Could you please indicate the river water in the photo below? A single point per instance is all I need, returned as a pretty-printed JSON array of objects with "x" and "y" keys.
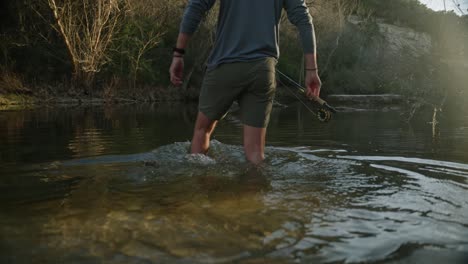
[{"x": 116, "y": 185}]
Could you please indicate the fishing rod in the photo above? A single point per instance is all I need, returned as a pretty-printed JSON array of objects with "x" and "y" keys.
[{"x": 320, "y": 107}]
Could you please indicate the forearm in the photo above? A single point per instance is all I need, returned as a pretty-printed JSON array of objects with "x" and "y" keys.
[
  {"x": 310, "y": 61},
  {"x": 182, "y": 41}
]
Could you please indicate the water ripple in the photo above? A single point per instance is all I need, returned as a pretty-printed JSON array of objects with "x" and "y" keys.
[{"x": 302, "y": 205}]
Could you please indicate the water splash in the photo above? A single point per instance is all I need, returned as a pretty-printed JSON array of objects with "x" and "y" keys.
[{"x": 302, "y": 205}]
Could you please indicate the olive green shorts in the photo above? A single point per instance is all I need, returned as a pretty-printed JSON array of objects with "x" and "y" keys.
[{"x": 252, "y": 84}]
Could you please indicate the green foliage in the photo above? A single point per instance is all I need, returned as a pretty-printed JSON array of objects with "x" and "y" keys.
[
  {"x": 129, "y": 46},
  {"x": 141, "y": 52}
]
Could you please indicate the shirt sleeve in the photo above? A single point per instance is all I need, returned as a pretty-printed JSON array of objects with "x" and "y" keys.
[
  {"x": 193, "y": 14},
  {"x": 298, "y": 14}
]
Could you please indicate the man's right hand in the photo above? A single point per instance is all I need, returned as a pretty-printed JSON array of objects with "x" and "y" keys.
[
  {"x": 177, "y": 70},
  {"x": 313, "y": 84}
]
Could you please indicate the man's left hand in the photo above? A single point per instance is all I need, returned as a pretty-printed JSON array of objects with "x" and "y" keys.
[{"x": 177, "y": 70}]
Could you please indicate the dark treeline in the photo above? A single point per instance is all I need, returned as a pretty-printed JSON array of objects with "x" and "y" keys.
[{"x": 122, "y": 48}]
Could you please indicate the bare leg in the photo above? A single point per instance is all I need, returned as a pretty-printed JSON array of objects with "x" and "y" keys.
[
  {"x": 204, "y": 127},
  {"x": 254, "y": 144}
]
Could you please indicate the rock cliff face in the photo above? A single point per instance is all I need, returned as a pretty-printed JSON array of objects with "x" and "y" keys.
[{"x": 400, "y": 39}]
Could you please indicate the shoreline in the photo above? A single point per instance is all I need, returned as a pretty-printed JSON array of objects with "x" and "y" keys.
[
  {"x": 15, "y": 101},
  {"x": 22, "y": 101}
]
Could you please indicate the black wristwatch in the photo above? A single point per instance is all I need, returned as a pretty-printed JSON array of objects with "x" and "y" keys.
[{"x": 180, "y": 51}]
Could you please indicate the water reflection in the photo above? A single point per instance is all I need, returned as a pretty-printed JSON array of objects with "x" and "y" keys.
[
  {"x": 88, "y": 143},
  {"x": 114, "y": 188}
]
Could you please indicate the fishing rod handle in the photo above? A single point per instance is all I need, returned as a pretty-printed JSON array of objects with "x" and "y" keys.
[{"x": 318, "y": 99}]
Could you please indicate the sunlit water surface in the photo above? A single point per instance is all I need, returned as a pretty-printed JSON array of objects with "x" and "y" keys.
[{"x": 116, "y": 185}]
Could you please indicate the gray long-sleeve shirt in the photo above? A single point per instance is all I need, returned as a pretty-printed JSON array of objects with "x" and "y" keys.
[{"x": 249, "y": 29}]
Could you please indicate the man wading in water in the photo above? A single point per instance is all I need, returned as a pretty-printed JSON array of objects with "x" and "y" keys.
[{"x": 242, "y": 65}]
